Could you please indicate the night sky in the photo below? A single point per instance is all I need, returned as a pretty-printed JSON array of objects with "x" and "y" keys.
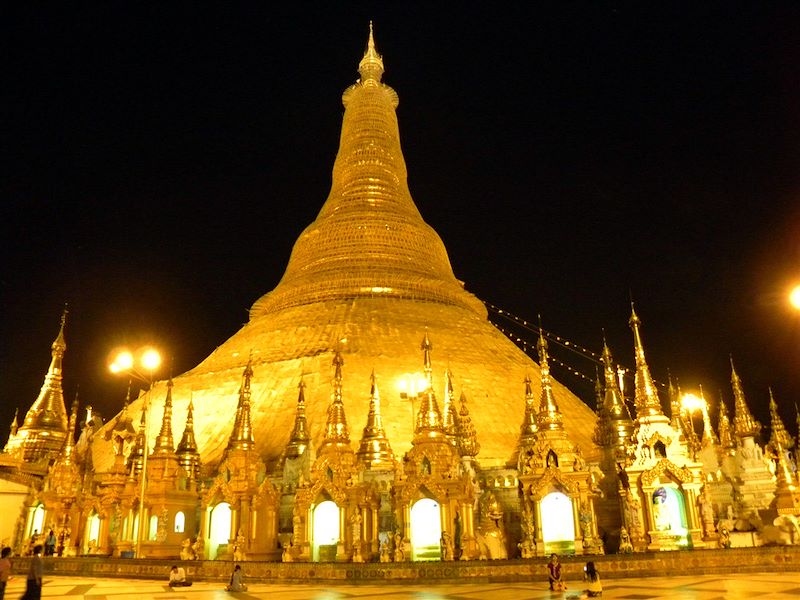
[{"x": 158, "y": 163}]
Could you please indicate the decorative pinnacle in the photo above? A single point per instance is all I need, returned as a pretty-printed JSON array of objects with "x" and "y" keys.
[
  {"x": 529, "y": 426},
  {"x": 724, "y": 427},
  {"x": 426, "y": 348},
  {"x": 188, "y": 444},
  {"x": 374, "y": 450},
  {"x": 371, "y": 65},
  {"x": 164, "y": 443},
  {"x": 298, "y": 441},
  {"x": 449, "y": 413},
  {"x": 465, "y": 432},
  {"x": 646, "y": 397},
  {"x": 429, "y": 419},
  {"x": 242, "y": 434},
  {"x": 549, "y": 416},
  {"x": 336, "y": 431},
  {"x": 744, "y": 425}
]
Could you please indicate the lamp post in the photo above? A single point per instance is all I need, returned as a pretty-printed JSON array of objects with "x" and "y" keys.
[
  {"x": 794, "y": 297},
  {"x": 141, "y": 367}
]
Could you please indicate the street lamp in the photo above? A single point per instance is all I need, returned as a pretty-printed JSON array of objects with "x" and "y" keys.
[
  {"x": 692, "y": 403},
  {"x": 794, "y": 297},
  {"x": 141, "y": 366}
]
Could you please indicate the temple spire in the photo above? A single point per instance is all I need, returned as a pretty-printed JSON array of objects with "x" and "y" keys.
[
  {"x": 67, "y": 454},
  {"x": 136, "y": 457},
  {"x": 336, "y": 432},
  {"x": 780, "y": 448},
  {"x": 528, "y": 429},
  {"x": 744, "y": 425},
  {"x": 371, "y": 65},
  {"x": 42, "y": 433},
  {"x": 724, "y": 426},
  {"x": 549, "y": 417},
  {"x": 648, "y": 406},
  {"x": 779, "y": 435},
  {"x": 374, "y": 451},
  {"x": 164, "y": 442},
  {"x": 187, "y": 451},
  {"x": 429, "y": 419},
  {"x": 709, "y": 437},
  {"x": 465, "y": 431},
  {"x": 619, "y": 418},
  {"x": 449, "y": 412},
  {"x": 298, "y": 441},
  {"x": 242, "y": 434}
]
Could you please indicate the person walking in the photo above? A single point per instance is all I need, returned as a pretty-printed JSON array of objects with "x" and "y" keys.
[
  {"x": 33, "y": 590},
  {"x": 5, "y": 570},
  {"x": 594, "y": 588}
]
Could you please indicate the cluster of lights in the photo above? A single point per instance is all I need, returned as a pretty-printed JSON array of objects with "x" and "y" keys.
[{"x": 124, "y": 361}]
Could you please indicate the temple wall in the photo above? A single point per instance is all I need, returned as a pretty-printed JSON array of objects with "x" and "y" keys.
[
  {"x": 12, "y": 504},
  {"x": 663, "y": 564}
]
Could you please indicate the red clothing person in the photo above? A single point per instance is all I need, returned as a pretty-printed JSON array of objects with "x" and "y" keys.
[{"x": 554, "y": 572}]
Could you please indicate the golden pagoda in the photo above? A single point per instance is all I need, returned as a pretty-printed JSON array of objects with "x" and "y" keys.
[{"x": 368, "y": 277}]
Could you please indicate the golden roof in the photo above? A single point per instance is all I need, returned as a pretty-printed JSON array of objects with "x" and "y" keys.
[{"x": 367, "y": 278}]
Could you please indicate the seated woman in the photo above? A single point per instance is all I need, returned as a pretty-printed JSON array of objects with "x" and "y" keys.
[
  {"x": 594, "y": 588},
  {"x": 554, "y": 573},
  {"x": 237, "y": 584},
  {"x": 177, "y": 577}
]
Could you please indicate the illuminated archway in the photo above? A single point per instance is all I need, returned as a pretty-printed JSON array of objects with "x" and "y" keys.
[
  {"x": 93, "y": 531},
  {"x": 37, "y": 521},
  {"x": 152, "y": 531},
  {"x": 669, "y": 513},
  {"x": 220, "y": 529},
  {"x": 325, "y": 531},
  {"x": 558, "y": 524},
  {"x": 426, "y": 530},
  {"x": 180, "y": 522}
]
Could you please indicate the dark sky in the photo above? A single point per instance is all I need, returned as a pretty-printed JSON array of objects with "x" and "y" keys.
[{"x": 158, "y": 163}]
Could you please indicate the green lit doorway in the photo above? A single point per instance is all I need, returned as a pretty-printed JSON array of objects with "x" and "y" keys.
[
  {"x": 558, "y": 524},
  {"x": 426, "y": 530}
]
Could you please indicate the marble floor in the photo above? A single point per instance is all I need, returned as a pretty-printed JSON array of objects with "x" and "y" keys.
[{"x": 702, "y": 587}]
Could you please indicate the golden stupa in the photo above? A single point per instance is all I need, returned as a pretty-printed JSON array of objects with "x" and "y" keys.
[{"x": 367, "y": 278}]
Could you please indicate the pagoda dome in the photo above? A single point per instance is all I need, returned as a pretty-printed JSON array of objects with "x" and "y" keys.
[{"x": 367, "y": 278}]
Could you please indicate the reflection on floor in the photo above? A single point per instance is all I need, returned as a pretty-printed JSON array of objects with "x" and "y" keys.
[{"x": 702, "y": 587}]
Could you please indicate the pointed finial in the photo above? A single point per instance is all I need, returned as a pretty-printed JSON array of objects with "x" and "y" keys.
[
  {"x": 371, "y": 65},
  {"x": 374, "y": 451},
  {"x": 648, "y": 405},
  {"x": 744, "y": 425},
  {"x": 468, "y": 445},
  {"x": 449, "y": 411},
  {"x": 298, "y": 441},
  {"x": 164, "y": 444},
  {"x": 549, "y": 416},
  {"x": 529, "y": 427}
]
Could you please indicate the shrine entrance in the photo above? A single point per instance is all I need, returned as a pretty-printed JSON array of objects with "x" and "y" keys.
[
  {"x": 219, "y": 534},
  {"x": 426, "y": 530},
  {"x": 325, "y": 531},
  {"x": 669, "y": 514},
  {"x": 558, "y": 524},
  {"x": 36, "y": 526}
]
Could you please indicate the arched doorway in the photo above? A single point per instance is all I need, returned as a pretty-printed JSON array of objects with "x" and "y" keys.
[
  {"x": 426, "y": 530},
  {"x": 220, "y": 529},
  {"x": 92, "y": 532},
  {"x": 37, "y": 523},
  {"x": 325, "y": 531},
  {"x": 558, "y": 524},
  {"x": 669, "y": 514}
]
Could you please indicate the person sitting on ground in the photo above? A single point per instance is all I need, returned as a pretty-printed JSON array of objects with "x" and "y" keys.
[
  {"x": 177, "y": 577},
  {"x": 236, "y": 584},
  {"x": 554, "y": 573},
  {"x": 594, "y": 588}
]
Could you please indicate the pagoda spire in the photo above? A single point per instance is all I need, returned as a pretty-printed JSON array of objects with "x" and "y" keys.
[
  {"x": 674, "y": 393},
  {"x": 619, "y": 417},
  {"x": 465, "y": 431},
  {"x": 724, "y": 426},
  {"x": 429, "y": 419},
  {"x": 242, "y": 434},
  {"x": 164, "y": 443},
  {"x": 42, "y": 433},
  {"x": 709, "y": 437},
  {"x": 12, "y": 431},
  {"x": 744, "y": 425},
  {"x": 371, "y": 66},
  {"x": 529, "y": 427},
  {"x": 648, "y": 406},
  {"x": 779, "y": 434},
  {"x": 449, "y": 412},
  {"x": 549, "y": 417},
  {"x": 136, "y": 457},
  {"x": 298, "y": 441},
  {"x": 374, "y": 451},
  {"x": 336, "y": 432},
  {"x": 785, "y": 478},
  {"x": 187, "y": 452}
]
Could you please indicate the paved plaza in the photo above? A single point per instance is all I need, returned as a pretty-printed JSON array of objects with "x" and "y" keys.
[{"x": 701, "y": 587}]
